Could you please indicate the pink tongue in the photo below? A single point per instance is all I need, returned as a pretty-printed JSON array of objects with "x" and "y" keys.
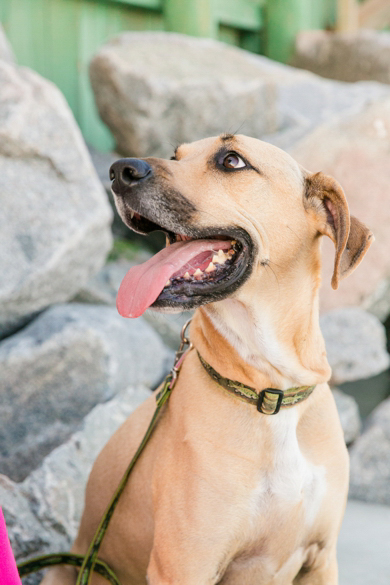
[{"x": 143, "y": 283}]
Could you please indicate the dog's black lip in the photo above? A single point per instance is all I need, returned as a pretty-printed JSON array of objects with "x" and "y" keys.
[{"x": 191, "y": 295}]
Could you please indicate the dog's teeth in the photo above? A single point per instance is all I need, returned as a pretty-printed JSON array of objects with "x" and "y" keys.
[
  {"x": 210, "y": 267},
  {"x": 231, "y": 252},
  {"x": 167, "y": 242},
  {"x": 132, "y": 214},
  {"x": 168, "y": 283},
  {"x": 187, "y": 276},
  {"x": 220, "y": 258},
  {"x": 233, "y": 242},
  {"x": 198, "y": 273}
]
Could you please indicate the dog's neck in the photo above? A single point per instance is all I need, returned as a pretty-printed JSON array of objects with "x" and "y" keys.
[{"x": 266, "y": 340}]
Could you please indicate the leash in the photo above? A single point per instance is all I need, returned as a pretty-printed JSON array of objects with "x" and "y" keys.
[
  {"x": 90, "y": 561},
  {"x": 268, "y": 401}
]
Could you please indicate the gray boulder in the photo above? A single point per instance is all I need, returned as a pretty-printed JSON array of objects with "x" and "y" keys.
[
  {"x": 355, "y": 344},
  {"x": 103, "y": 287},
  {"x": 102, "y": 162},
  {"x": 348, "y": 410},
  {"x": 6, "y": 53},
  {"x": 167, "y": 91},
  {"x": 157, "y": 90},
  {"x": 370, "y": 459},
  {"x": 362, "y": 55},
  {"x": 59, "y": 367},
  {"x": 44, "y": 511},
  {"x": 55, "y": 217},
  {"x": 355, "y": 150}
]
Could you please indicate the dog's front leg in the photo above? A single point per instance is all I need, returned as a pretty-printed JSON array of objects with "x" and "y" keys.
[
  {"x": 194, "y": 554},
  {"x": 168, "y": 566},
  {"x": 324, "y": 574}
]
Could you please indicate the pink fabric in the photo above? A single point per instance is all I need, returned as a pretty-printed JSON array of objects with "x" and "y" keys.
[{"x": 8, "y": 571}]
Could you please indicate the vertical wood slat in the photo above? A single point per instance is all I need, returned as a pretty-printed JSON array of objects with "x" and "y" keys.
[
  {"x": 284, "y": 19},
  {"x": 192, "y": 17},
  {"x": 347, "y": 15}
]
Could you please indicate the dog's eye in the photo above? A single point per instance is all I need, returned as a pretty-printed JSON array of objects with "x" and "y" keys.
[{"x": 233, "y": 161}]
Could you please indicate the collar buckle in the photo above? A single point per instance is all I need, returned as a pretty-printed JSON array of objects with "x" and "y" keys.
[{"x": 270, "y": 400}]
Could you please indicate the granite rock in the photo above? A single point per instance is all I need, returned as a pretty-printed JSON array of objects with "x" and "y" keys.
[
  {"x": 355, "y": 150},
  {"x": 59, "y": 367},
  {"x": 348, "y": 410},
  {"x": 361, "y": 55},
  {"x": 44, "y": 511},
  {"x": 370, "y": 459},
  {"x": 157, "y": 90},
  {"x": 355, "y": 344},
  {"x": 55, "y": 220},
  {"x": 6, "y": 53}
]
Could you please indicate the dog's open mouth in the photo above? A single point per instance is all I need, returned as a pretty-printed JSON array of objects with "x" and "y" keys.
[{"x": 195, "y": 268}]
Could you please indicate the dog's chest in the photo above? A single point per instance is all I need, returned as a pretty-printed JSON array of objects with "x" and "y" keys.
[
  {"x": 290, "y": 478},
  {"x": 282, "y": 507}
]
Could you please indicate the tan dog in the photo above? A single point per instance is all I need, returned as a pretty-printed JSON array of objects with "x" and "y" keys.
[{"x": 224, "y": 493}]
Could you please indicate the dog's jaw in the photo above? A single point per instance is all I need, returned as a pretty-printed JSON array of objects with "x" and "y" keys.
[{"x": 259, "y": 327}]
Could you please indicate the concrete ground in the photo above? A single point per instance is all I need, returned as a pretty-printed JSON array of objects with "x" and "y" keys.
[{"x": 364, "y": 545}]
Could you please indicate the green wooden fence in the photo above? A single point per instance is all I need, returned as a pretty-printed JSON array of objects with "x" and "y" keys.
[{"x": 58, "y": 37}]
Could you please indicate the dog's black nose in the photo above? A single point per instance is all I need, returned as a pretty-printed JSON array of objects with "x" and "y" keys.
[{"x": 129, "y": 171}]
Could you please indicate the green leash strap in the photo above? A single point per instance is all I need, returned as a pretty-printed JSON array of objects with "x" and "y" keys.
[
  {"x": 91, "y": 557},
  {"x": 90, "y": 561},
  {"x": 70, "y": 559}
]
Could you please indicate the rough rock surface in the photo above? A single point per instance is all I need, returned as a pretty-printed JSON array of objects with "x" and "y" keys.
[
  {"x": 157, "y": 90},
  {"x": 55, "y": 217},
  {"x": 6, "y": 53},
  {"x": 102, "y": 162},
  {"x": 348, "y": 410},
  {"x": 103, "y": 287},
  {"x": 355, "y": 344},
  {"x": 362, "y": 55},
  {"x": 44, "y": 511},
  {"x": 370, "y": 459},
  {"x": 355, "y": 150},
  {"x": 59, "y": 367}
]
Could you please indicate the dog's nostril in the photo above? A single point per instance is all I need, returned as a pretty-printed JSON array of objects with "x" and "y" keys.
[{"x": 129, "y": 175}]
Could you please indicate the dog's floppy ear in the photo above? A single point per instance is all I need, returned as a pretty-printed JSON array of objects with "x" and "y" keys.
[{"x": 325, "y": 197}]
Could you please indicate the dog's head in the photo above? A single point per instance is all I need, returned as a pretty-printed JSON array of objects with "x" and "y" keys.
[{"x": 230, "y": 207}]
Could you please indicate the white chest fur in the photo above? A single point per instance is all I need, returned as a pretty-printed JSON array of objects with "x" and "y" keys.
[{"x": 292, "y": 478}]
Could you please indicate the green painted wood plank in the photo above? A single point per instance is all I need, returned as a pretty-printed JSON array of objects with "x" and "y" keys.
[
  {"x": 285, "y": 18},
  {"x": 229, "y": 35},
  {"x": 19, "y": 32},
  {"x": 150, "y": 4},
  {"x": 61, "y": 32},
  {"x": 92, "y": 33},
  {"x": 252, "y": 41},
  {"x": 192, "y": 17},
  {"x": 242, "y": 14},
  {"x": 98, "y": 23}
]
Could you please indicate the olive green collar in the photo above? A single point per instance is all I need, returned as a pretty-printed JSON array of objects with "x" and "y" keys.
[{"x": 268, "y": 401}]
